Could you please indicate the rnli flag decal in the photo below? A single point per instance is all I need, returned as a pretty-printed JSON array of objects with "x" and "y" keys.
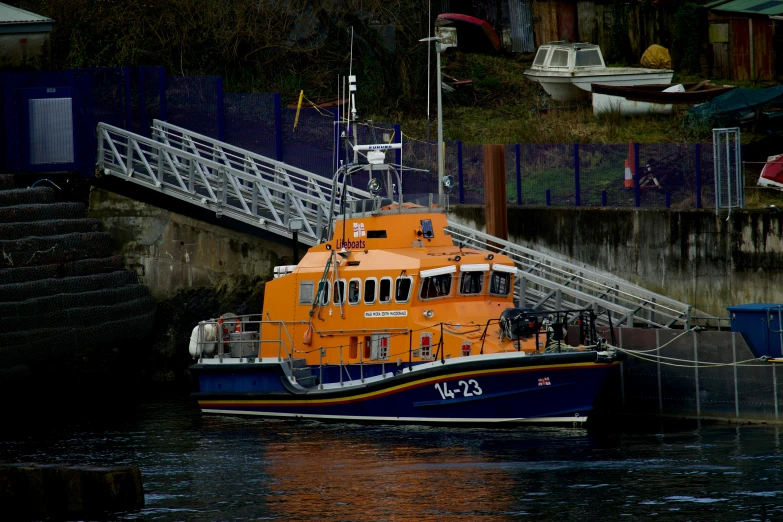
[{"x": 544, "y": 382}]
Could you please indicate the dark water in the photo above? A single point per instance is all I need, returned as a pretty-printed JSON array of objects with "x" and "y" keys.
[{"x": 220, "y": 468}]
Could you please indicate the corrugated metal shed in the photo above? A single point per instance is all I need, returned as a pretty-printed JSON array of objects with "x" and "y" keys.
[
  {"x": 15, "y": 20},
  {"x": 758, "y": 7}
]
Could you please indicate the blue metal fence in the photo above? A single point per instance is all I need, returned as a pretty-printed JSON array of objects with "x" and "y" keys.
[{"x": 667, "y": 175}]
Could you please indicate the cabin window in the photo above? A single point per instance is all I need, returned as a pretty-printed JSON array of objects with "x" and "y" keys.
[
  {"x": 435, "y": 286},
  {"x": 354, "y": 291},
  {"x": 386, "y": 287},
  {"x": 588, "y": 58},
  {"x": 323, "y": 292},
  {"x": 500, "y": 283},
  {"x": 559, "y": 58},
  {"x": 541, "y": 56},
  {"x": 402, "y": 289},
  {"x": 370, "y": 286},
  {"x": 339, "y": 292},
  {"x": 471, "y": 283},
  {"x": 306, "y": 292},
  {"x": 376, "y": 234}
]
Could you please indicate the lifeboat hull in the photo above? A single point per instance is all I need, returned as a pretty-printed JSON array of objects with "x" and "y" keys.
[{"x": 485, "y": 389}]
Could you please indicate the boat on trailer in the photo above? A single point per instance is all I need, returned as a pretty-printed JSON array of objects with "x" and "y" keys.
[
  {"x": 567, "y": 71},
  {"x": 388, "y": 320}
]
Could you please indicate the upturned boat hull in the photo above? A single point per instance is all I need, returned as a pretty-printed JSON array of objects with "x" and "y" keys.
[{"x": 502, "y": 388}]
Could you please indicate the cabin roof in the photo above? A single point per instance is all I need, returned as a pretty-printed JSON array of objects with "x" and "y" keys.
[
  {"x": 15, "y": 20},
  {"x": 758, "y": 7}
]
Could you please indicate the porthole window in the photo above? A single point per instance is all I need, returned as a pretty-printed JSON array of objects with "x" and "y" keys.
[
  {"x": 370, "y": 287},
  {"x": 323, "y": 293},
  {"x": 402, "y": 289},
  {"x": 339, "y": 292},
  {"x": 354, "y": 291},
  {"x": 385, "y": 295}
]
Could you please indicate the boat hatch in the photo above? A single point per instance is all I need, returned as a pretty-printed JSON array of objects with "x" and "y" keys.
[
  {"x": 426, "y": 228},
  {"x": 379, "y": 349},
  {"x": 425, "y": 345}
]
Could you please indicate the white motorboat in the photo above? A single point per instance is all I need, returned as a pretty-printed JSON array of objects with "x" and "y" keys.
[{"x": 567, "y": 71}]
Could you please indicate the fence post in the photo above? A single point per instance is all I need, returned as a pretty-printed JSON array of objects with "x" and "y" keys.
[
  {"x": 578, "y": 198},
  {"x": 668, "y": 199},
  {"x": 219, "y": 103},
  {"x": 519, "y": 175},
  {"x": 698, "y": 175},
  {"x": 548, "y": 197},
  {"x": 144, "y": 131},
  {"x": 636, "y": 192},
  {"x": 336, "y": 130},
  {"x": 127, "y": 84},
  {"x": 459, "y": 172},
  {"x": 398, "y": 152},
  {"x": 603, "y": 198},
  {"x": 162, "y": 92},
  {"x": 278, "y": 128}
]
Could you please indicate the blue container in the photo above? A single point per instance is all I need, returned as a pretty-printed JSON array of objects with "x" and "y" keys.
[{"x": 760, "y": 325}]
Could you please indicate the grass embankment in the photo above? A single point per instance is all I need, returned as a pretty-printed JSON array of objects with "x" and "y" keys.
[{"x": 502, "y": 106}]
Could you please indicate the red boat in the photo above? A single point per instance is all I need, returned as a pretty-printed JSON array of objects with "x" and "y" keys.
[
  {"x": 772, "y": 173},
  {"x": 473, "y": 34}
]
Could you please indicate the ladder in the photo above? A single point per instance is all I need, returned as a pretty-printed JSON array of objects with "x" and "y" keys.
[{"x": 268, "y": 194}]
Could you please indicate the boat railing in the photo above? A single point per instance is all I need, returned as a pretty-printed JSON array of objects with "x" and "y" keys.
[{"x": 239, "y": 336}]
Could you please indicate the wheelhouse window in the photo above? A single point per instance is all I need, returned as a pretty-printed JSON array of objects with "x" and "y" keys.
[
  {"x": 471, "y": 283},
  {"x": 559, "y": 58},
  {"x": 541, "y": 56},
  {"x": 354, "y": 291},
  {"x": 370, "y": 287},
  {"x": 500, "y": 283},
  {"x": 323, "y": 293},
  {"x": 402, "y": 289},
  {"x": 386, "y": 288},
  {"x": 588, "y": 58},
  {"x": 435, "y": 286},
  {"x": 339, "y": 292},
  {"x": 306, "y": 292}
]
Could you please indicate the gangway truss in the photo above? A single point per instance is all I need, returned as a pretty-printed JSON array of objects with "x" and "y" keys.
[{"x": 267, "y": 194}]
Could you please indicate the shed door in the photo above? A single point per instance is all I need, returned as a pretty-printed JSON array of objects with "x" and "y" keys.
[
  {"x": 719, "y": 43},
  {"x": 740, "y": 49}
]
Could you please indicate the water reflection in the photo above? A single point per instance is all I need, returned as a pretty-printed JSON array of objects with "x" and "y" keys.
[{"x": 220, "y": 468}]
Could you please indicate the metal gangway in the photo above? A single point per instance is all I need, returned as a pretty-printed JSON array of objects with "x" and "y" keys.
[{"x": 268, "y": 194}]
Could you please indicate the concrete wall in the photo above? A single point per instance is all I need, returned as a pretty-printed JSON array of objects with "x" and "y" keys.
[
  {"x": 692, "y": 256},
  {"x": 170, "y": 251}
]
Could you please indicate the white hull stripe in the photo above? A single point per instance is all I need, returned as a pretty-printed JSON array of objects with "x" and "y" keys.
[{"x": 407, "y": 420}]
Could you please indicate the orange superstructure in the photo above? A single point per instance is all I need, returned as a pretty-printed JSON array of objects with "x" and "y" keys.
[{"x": 392, "y": 286}]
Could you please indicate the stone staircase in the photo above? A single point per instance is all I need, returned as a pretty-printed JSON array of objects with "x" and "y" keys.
[{"x": 63, "y": 295}]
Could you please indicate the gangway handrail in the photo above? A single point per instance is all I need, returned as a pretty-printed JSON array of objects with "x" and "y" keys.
[
  {"x": 267, "y": 193},
  {"x": 633, "y": 297},
  {"x": 166, "y": 131}
]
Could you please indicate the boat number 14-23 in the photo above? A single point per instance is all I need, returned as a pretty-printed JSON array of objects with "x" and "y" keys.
[{"x": 467, "y": 389}]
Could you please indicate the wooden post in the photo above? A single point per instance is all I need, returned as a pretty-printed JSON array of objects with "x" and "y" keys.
[{"x": 495, "y": 191}]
